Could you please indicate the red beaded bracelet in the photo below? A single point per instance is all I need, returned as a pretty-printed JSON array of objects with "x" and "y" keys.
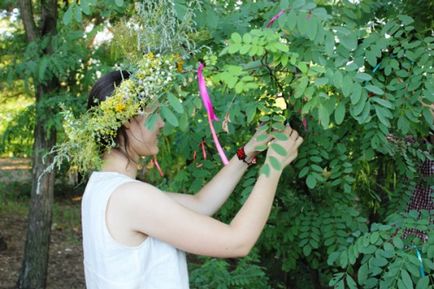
[{"x": 241, "y": 154}]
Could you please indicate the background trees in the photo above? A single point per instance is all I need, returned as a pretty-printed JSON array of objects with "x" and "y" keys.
[{"x": 355, "y": 78}]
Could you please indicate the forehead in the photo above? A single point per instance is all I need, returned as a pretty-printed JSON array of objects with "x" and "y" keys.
[{"x": 150, "y": 108}]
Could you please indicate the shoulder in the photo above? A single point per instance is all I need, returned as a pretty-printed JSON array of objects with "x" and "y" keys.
[{"x": 132, "y": 191}]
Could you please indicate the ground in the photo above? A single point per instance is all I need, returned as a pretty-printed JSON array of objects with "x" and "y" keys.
[{"x": 66, "y": 255}]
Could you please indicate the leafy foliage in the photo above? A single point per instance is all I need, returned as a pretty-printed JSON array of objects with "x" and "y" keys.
[{"x": 354, "y": 79}]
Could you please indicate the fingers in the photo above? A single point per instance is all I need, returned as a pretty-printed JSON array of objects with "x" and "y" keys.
[
  {"x": 294, "y": 134},
  {"x": 288, "y": 129},
  {"x": 299, "y": 141}
]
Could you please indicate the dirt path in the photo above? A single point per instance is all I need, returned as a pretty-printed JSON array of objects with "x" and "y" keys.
[
  {"x": 65, "y": 260},
  {"x": 66, "y": 256}
]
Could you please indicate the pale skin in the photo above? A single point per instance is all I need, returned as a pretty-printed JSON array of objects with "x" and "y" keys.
[{"x": 137, "y": 210}]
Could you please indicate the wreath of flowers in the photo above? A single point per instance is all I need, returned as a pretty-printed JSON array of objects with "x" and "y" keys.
[{"x": 96, "y": 130}]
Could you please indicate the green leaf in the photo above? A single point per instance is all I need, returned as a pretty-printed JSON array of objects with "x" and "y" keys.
[
  {"x": 324, "y": 116},
  {"x": 363, "y": 274},
  {"x": 428, "y": 116},
  {"x": 275, "y": 163},
  {"x": 321, "y": 81},
  {"x": 340, "y": 113},
  {"x": 261, "y": 148},
  {"x": 332, "y": 258},
  {"x": 363, "y": 76},
  {"x": 383, "y": 102},
  {"x": 329, "y": 43},
  {"x": 312, "y": 28},
  {"x": 169, "y": 116},
  {"x": 301, "y": 87},
  {"x": 281, "y": 47},
  {"x": 234, "y": 47},
  {"x": 403, "y": 124},
  {"x": 307, "y": 250},
  {"x": 381, "y": 115},
  {"x": 297, "y": 4},
  {"x": 247, "y": 38},
  {"x": 338, "y": 79},
  {"x": 401, "y": 284},
  {"x": 374, "y": 237},
  {"x": 77, "y": 15},
  {"x": 303, "y": 172},
  {"x": 423, "y": 283},
  {"x": 279, "y": 135},
  {"x": 67, "y": 17},
  {"x": 303, "y": 67},
  {"x": 43, "y": 63},
  {"x": 374, "y": 89},
  {"x": 175, "y": 103},
  {"x": 343, "y": 259},
  {"x": 151, "y": 121},
  {"x": 351, "y": 283},
  {"x": 311, "y": 181},
  {"x": 405, "y": 19},
  {"x": 85, "y": 6},
  {"x": 398, "y": 243},
  {"x": 278, "y": 149},
  {"x": 371, "y": 58},
  {"x": 261, "y": 137},
  {"x": 388, "y": 247},
  {"x": 250, "y": 112},
  {"x": 349, "y": 41},
  {"x": 236, "y": 37},
  {"x": 357, "y": 93},
  {"x": 379, "y": 261},
  {"x": 119, "y": 3},
  {"x": 265, "y": 169},
  {"x": 347, "y": 85},
  {"x": 406, "y": 279},
  {"x": 290, "y": 20},
  {"x": 278, "y": 126},
  {"x": 302, "y": 23}
]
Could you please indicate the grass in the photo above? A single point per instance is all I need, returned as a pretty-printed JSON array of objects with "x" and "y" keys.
[{"x": 15, "y": 200}]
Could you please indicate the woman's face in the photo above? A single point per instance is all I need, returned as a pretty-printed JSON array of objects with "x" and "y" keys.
[{"x": 143, "y": 141}]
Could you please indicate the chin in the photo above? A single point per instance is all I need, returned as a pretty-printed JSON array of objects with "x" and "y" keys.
[{"x": 155, "y": 151}]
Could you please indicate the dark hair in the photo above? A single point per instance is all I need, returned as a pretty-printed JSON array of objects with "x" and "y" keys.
[{"x": 101, "y": 90}]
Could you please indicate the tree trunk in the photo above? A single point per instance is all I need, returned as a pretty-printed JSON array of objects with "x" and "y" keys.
[
  {"x": 33, "y": 274},
  {"x": 35, "y": 262}
]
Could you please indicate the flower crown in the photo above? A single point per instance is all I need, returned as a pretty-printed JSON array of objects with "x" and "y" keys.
[{"x": 96, "y": 130}]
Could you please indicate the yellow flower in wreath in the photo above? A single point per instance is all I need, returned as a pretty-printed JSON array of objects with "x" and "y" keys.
[{"x": 120, "y": 107}]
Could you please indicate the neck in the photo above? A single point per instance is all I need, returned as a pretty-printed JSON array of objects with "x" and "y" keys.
[{"x": 115, "y": 161}]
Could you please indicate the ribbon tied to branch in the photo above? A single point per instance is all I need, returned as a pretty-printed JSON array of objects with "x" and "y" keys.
[{"x": 210, "y": 111}]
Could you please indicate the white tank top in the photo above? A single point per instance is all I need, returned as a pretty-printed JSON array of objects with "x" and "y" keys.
[{"x": 109, "y": 264}]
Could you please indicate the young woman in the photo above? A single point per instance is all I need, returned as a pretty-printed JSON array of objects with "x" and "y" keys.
[{"x": 136, "y": 236}]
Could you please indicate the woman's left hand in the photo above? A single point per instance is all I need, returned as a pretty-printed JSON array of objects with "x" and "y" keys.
[{"x": 261, "y": 137}]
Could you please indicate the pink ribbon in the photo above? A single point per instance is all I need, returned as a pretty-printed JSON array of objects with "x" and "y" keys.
[
  {"x": 210, "y": 111},
  {"x": 304, "y": 123},
  {"x": 157, "y": 165},
  {"x": 275, "y": 17}
]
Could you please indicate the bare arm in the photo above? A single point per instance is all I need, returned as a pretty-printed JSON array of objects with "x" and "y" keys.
[
  {"x": 147, "y": 210},
  {"x": 215, "y": 193}
]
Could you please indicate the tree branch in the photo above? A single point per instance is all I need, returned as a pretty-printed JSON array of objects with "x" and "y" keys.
[
  {"x": 26, "y": 11},
  {"x": 48, "y": 17}
]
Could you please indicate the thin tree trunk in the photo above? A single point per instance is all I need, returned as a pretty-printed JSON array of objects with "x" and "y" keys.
[
  {"x": 33, "y": 274},
  {"x": 35, "y": 262}
]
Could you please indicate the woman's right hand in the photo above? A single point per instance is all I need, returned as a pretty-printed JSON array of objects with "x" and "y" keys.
[{"x": 290, "y": 145}]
